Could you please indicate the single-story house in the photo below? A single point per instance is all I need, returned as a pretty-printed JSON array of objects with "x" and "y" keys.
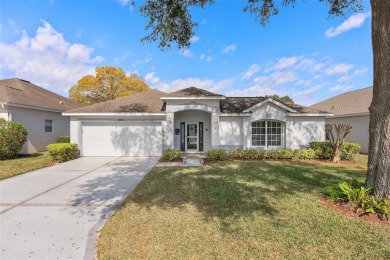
[
  {"x": 192, "y": 120},
  {"x": 38, "y": 109},
  {"x": 350, "y": 108}
]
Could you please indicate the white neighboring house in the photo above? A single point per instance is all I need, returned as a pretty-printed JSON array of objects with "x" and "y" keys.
[
  {"x": 350, "y": 108},
  {"x": 38, "y": 109},
  {"x": 192, "y": 120}
]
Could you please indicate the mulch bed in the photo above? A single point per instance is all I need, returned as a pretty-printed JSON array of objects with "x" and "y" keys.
[
  {"x": 206, "y": 161},
  {"x": 349, "y": 210},
  {"x": 174, "y": 161}
]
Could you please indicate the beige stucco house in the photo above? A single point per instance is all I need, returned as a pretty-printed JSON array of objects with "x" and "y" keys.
[
  {"x": 38, "y": 109},
  {"x": 192, "y": 120},
  {"x": 350, "y": 108}
]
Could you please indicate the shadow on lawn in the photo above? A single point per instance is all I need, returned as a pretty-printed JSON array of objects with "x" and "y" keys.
[{"x": 235, "y": 190}]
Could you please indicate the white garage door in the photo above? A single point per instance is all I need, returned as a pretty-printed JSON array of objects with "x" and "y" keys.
[{"x": 122, "y": 139}]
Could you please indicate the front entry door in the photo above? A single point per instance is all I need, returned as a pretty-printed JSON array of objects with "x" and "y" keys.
[{"x": 192, "y": 131}]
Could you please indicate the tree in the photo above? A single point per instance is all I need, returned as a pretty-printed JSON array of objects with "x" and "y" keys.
[
  {"x": 285, "y": 99},
  {"x": 336, "y": 134},
  {"x": 170, "y": 22},
  {"x": 109, "y": 83}
]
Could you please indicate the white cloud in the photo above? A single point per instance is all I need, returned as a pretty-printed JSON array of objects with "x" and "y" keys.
[
  {"x": 308, "y": 91},
  {"x": 145, "y": 60},
  {"x": 339, "y": 68},
  {"x": 194, "y": 39},
  {"x": 282, "y": 77},
  {"x": 285, "y": 62},
  {"x": 203, "y": 22},
  {"x": 123, "y": 2},
  {"x": 355, "y": 21},
  {"x": 47, "y": 59},
  {"x": 360, "y": 72},
  {"x": 150, "y": 78},
  {"x": 205, "y": 57},
  {"x": 186, "y": 53},
  {"x": 341, "y": 87},
  {"x": 229, "y": 48},
  {"x": 251, "y": 71},
  {"x": 255, "y": 90}
]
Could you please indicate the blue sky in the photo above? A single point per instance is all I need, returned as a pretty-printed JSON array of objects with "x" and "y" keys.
[{"x": 302, "y": 52}]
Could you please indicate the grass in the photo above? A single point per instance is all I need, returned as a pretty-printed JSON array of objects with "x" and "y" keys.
[
  {"x": 362, "y": 159},
  {"x": 241, "y": 210},
  {"x": 23, "y": 164}
]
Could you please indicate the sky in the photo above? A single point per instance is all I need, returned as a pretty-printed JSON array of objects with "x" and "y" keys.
[{"x": 301, "y": 52}]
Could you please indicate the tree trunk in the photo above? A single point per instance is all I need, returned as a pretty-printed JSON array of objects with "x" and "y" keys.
[
  {"x": 336, "y": 152},
  {"x": 378, "y": 174}
]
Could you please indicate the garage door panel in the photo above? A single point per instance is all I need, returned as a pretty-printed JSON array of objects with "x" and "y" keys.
[{"x": 131, "y": 139}]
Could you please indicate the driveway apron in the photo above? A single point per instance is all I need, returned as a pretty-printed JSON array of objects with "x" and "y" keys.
[{"x": 56, "y": 212}]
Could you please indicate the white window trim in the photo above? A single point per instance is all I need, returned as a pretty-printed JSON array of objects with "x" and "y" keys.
[
  {"x": 52, "y": 125},
  {"x": 266, "y": 146}
]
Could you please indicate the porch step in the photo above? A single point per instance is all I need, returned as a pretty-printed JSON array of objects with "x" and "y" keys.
[{"x": 193, "y": 161}]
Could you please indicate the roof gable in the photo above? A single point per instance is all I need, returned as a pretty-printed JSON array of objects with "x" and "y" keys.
[
  {"x": 142, "y": 102},
  {"x": 22, "y": 92},
  {"x": 357, "y": 101},
  {"x": 269, "y": 100},
  {"x": 193, "y": 92}
]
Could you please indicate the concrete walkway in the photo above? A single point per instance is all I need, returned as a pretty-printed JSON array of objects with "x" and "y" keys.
[{"x": 56, "y": 212}]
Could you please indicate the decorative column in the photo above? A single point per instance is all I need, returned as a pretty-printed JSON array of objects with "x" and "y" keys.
[
  {"x": 246, "y": 130},
  {"x": 214, "y": 130},
  {"x": 168, "y": 131}
]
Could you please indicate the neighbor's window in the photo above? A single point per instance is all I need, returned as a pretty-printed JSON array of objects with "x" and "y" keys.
[
  {"x": 266, "y": 133},
  {"x": 49, "y": 126}
]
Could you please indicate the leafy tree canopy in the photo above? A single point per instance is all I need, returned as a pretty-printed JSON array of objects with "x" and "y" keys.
[
  {"x": 285, "y": 99},
  {"x": 109, "y": 83},
  {"x": 170, "y": 21}
]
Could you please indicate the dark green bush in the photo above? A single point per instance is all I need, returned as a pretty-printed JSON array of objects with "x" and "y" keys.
[
  {"x": 63, "y": 152},
  {"x": 171, "y": 154},
  {"x": 355, "y": 193},
  {"x": 252, "y": 154},
  {"x": 13, "y": 135},
  {"x": 217, "y": 155},
  {"x": 324, "y": 150},
  {"x": 63, "y": 139},
  {"x": 305, "y": 154}
]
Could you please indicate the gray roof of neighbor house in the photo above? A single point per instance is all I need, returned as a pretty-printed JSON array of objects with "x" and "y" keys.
[
  {"x": 352, "y": 102},
  {"x": 142, "y": 102},
  {"x": 193, "y": 92},
  {"x": 22, "y": 92},
  {"x": 150, "y": 102},
  {"x": 240, "y": 104}
]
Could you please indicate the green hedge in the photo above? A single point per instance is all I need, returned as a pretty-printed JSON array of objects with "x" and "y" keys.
[
  {"x": 323, "y": 150},
  {"x": 217, "y": 155},
  {"x": 170, "y": 154},
  {"x": 253, "y": 154},
  {"x": 63, "y": 139},
  {"x": 13, "y": 135},
  {"x": 63, "y": 152}
]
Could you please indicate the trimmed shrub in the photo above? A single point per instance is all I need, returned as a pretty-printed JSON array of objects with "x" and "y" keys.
[
  {"x": 63, "y": 152},
  {"x": 252, "y": 154},
  {"x": 324, "y": 150},
  {"x": 236, "y": 154},
  {"x": 305, "y": 154},
  {"x": 13, "y": 135},
  {"x": 171, "y": 154},
  {"x": 217, "y": 155},
  {"x": 349, "y": 151},
  {"x": 63, "y": 139}
]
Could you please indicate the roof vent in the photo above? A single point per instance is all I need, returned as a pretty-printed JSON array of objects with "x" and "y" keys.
[
  {"x": 62, "y": 102},
  {"x": 332, "y": 107},
  {"x": 25, "y": 80}
]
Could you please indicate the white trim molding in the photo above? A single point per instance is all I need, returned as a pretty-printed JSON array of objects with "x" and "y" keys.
[
  {"x": 310, "y": 114},
  {"x": 193, "y": 98},
  {"x": 351, "y": 114},
  {"x": 112, "y": 114},
  {"x": 29, "y": 107},
  {"x": 272, "y": 101},
  {"x": 235, "y": 114}
]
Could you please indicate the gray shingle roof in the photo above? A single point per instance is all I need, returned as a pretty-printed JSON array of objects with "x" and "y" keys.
[
  {"x": 356, "y": 101},
  {"x": 193, "y": 92},
  {"x": 143, "y": 102},
  {"x": 23, "y": 92}
]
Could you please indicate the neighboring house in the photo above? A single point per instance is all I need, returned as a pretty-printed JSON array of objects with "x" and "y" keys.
[
  {"x": 350, "y": 108},
  {"x": 192, "y": 120},
  {"x": 38, "y": 109}
]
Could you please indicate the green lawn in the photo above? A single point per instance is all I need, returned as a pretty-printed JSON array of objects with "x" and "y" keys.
[
  {"x": 242, "y": 210},
  {"x": 23, "y": 164}
]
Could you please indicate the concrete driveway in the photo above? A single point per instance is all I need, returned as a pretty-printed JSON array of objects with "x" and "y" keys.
[{"x": 56, "y": 212}]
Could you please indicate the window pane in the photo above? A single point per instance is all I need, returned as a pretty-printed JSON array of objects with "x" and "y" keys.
[{"x": 48, "y": 126}]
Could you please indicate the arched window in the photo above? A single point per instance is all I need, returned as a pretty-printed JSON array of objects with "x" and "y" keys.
[{"x": 266, "y": 133}]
